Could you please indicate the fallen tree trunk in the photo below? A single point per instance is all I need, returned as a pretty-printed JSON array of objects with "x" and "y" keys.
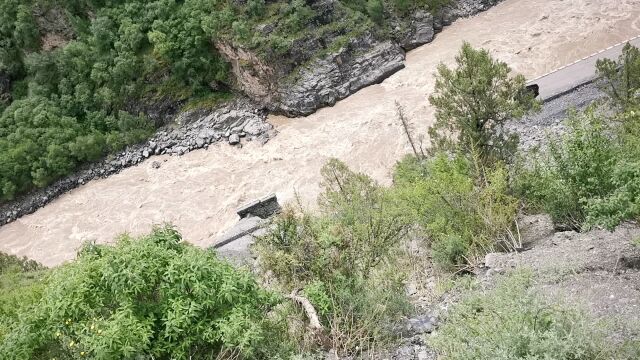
[{"x": 312, "y": 315}]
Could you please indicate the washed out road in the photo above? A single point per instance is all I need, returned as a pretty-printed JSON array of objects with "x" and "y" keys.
[{"x": 579, "y": 72}]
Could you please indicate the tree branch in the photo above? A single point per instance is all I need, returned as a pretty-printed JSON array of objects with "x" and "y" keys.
[{"x": 312, "y": 315}]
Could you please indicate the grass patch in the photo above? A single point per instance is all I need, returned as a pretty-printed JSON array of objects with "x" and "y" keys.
[{"x": 512, "y": 322}]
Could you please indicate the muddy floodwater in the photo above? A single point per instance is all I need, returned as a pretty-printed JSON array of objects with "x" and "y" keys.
[{"x": 200, "y": 191}]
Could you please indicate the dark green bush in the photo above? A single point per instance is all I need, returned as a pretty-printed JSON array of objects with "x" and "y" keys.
[
  {"x": 472, "y": 103},
  {"x": 154, "y": 296},
  {"x": 462, "y": 217}
]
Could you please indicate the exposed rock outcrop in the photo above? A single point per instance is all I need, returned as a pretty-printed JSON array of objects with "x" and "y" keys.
[
  {"x": 460, "y": 9},
  {"x": 239, "y": 119},
  {"x": 310, "y": 75},
  {"x": 420, "y": 31},
  {"x": 54, "y": 27},
  {"x": 364, "y": 61}
]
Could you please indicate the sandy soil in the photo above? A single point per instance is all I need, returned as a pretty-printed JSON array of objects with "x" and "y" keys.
[
  {"x": 199, "y": 192},
  {"x": 597, "y": 271}
]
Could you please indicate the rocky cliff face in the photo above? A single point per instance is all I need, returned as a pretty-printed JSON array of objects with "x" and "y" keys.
[
  {"x": 464, "y": 8},
  {"x": 300, "y": 81},
  {"x": 364, "y": 61}
]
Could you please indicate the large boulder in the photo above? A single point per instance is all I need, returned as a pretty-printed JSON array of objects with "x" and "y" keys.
[{"x": 421, "y": 30}]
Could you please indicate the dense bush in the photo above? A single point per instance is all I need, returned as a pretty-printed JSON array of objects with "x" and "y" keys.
[
  {"x": 472, "y": 103},
  {"x": 21, "y": 284},
  {"x": 622, "y": 77},
  {"x": 590, "y": 176},
  {"x": 463, "y": 218},
  {"x": 576, "y": 168},
  {"x": 149, "y": 297},
  {"x": 511, "y": 322},
  {"x": 342, "y": 259}
]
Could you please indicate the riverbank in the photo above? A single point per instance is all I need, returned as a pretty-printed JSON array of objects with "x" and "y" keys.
[
  {"x": 200, "y": 191},
  {"x": 363, "y": 62}
]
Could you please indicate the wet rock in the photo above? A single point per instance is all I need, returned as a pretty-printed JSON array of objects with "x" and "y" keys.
[
  {"x": 421, "y": 30},
  {"x": 234, "y": 139}
]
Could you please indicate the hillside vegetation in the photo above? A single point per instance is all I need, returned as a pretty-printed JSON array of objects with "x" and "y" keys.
[
  {"x": 77, "y": 77},
  {"x": 333, "y": 280}
]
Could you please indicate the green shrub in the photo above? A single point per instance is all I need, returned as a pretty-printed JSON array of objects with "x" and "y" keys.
[
  {"x": 472, "y": 103},
  {"x": 21, "y": 285},
  {"x": 622, "y": 77},
  {"x": 577, "y": 168},
  {"x": 154, "y": 296},
  {"x": 342, "y": 258},
  {"x": 622, "y": 203},
  {"x": 11, "y": 262},
  {"x": 375, "y": 9},
  {"x": 512, "y": 322},
  {"x": 463, "y": 217}
]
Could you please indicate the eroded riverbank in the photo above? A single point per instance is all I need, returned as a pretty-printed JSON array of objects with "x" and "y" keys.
[{"x": 198, "y": 192}]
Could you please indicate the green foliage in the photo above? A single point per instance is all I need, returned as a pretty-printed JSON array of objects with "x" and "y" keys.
[
  {"x": 591, "y": 176},
  {"x": 472, "y": 103},
  {"x": 622, "y": 77},
  {"x": 343, "y": 257},
  {"x": 621, "y": 203},
  {"x": 21, "y": 285},
  {"x": 9, "y": 262},
  {"x": 512, "y": 322},
  {"x": 375, "y": 9},
  {"x": 580, "y": 171},
  {"x": 462, "y": 218},
  {"x": 39, "y": 142},
  {"x": 154, "y": 296},
  {"x": 73, "y": 110}
]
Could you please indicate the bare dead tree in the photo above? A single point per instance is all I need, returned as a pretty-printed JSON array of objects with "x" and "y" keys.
[
  {"x": 310, "y": 311},
  {"x": 407, "y": 127}
]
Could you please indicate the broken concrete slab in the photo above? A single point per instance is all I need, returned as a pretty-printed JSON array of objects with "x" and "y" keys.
[{"x": 262, "y": 208}]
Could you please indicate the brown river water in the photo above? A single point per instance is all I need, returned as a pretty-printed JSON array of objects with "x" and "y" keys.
[{"x": 200, "y": 191}]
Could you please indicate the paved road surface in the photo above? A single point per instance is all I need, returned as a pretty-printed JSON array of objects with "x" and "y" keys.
[{"x": 567, "y": 78}]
